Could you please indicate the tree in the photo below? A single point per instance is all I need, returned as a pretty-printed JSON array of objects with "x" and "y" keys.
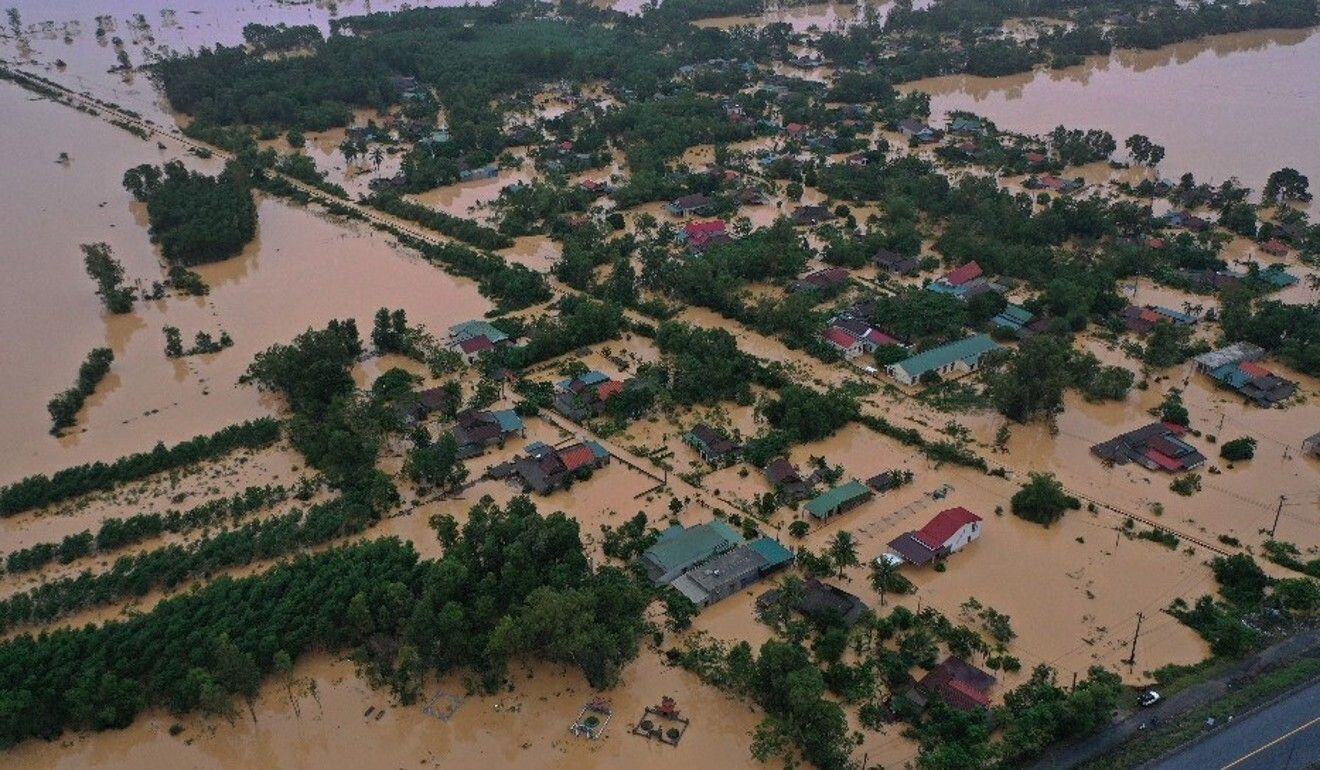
[
  {"x": 109, "y": 276},
  {"x": 1238, "y": 449},
  {"x": 1144, "y": 151},
  {"x": 437, "y": 465},
  {"x": 377, "y": 157},
  {"x": 1030, "y": 383},
  {"x": 1287, "y": 184},
  {"x": 883, "y": 572},
  {"x": 842, "y": 550},
  {"x": 1043, "y": 500}
]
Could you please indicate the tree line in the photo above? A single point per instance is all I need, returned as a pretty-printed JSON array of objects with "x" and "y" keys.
[
  {"x": 115, "y": 534},
  {"x": 40, "y": 490}
]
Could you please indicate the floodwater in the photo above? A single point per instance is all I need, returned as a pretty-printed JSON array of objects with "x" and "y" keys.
[
  {"x": 302, "y": 270},
  {"x": 171, "y": 26},
  {"x": 1238, "y": 105}
]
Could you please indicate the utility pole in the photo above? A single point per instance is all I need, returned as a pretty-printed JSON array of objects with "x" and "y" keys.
[
  {"x": 1277, "y": 512},
  {"x": 1132, "y": 658}
]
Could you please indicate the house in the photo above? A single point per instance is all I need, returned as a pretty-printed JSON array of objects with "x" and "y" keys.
[
  {"x": 699, "y": 236},
  {"x": 1235, "y": 367},
  {"x": 839, "y": 500},
  {"x": 829, "y": 279},
  {"x": 795, "y": 129},
  {"x": 806, "y": 216},
  {"x": 894, "y": 263},
  {"x": 959, "y": 684},
  {"x": 785, "y": 479},
  {"x": 857, "y": 160},
  {"x": 1172, "y": 316},
  {"x": 871, "y": 338},
  {"x": 1236, "y": 353},
  {"x": 1187, "y": 221},
  {"x": 434, "y": 400},
  {"x": 488, "y": 171},
  {"x": 476, "y": 431},
  {"x": 821, "y": 602},
  {"x": 915, "y": 129},
  {"x": 886, "y": 480},
  {"x": 965, "y": 126},
  {"x": 1055, "y": 184},
  {"x": 1036, "y": 158},
  {"x": 947, "y": 533},
  {"x": 714, "y": 447},
  {"x": 1277, "y": 277},
  {"x": 955, "y": 358},
  {"x": 544, "y": 469},
  {"x": 1158, "y": 446},
  {"x": 842, "y": 341},
  {"x": 584, "y": 397},
  {"x": 689, "y": 205},
  {"x": 954, "y": 281},
  {"x": 679, "y": 548},
  {"x": 472, "y": 338},
  {"x": 1013, "y": 318},
  {"x": 1275, "y": 247},
  {"x": 732, "y": 571}
]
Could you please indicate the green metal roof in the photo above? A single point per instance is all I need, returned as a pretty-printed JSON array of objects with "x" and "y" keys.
[
  {"x": 775, "y": 554},
  {"x": 679, "y": 547},
  {"x": 478, "y": 328},
  {"x": 828, "y": 501},
  {"x": 972, "y": 347}
]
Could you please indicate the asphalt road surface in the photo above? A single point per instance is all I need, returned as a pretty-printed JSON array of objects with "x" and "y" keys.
[{"x": 1282, "y": 736}]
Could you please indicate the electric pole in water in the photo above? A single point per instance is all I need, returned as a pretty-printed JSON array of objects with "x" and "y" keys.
[
  {"x": 1277, "y": 512},
  {"x": 1132, "y": 658}
]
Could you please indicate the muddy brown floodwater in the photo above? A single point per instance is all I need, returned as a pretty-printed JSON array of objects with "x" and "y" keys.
[
  {"x": 1231, "y": 105},
  {"x": 302, "y": 270}
]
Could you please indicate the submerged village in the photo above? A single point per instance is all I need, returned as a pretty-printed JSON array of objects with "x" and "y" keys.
[{"x": 701, "y": 382}]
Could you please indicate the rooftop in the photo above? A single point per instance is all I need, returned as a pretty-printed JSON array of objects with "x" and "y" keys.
[
  {"x": 970, "y": 348},
  {"x": 826, "y": 502}
]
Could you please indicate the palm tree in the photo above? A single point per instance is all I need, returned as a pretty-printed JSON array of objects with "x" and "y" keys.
[
  {"x": 882, "y": 574},
  {"x": 843, "y": 551},
  {"x": 350, "y": 150},
  {"x": 377, "y": 155}
]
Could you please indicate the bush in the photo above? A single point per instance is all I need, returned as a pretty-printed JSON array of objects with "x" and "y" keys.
[
  {"x": 1238, "y": 449},
  {"x": 1043, "y": 500}
]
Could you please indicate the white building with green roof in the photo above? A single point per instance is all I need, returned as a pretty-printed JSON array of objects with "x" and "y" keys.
[{"x": 953, "y": 359}]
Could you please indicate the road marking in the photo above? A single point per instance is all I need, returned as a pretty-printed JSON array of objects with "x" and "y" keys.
[{"x": 1258, "y": 750}]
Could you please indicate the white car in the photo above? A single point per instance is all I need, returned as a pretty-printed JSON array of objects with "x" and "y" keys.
[
  {"x": 870, "y": 370},
  {"x": 1148, "y": 698}
]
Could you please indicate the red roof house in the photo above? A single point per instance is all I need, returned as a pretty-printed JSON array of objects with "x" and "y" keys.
[
  {"x": 795, "y": 128},
  {"x": 577, "y": 456},
  {"x": 1274, "y": 247},
  {"x": 950, "y": 531},
  {"x": 609, "y": 389},
  {"x": 963, "y": 274}
]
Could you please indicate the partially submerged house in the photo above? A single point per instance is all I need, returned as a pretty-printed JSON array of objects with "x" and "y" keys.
[
  {"x": 1013, "y": 318},
  {"x": 1142, "y": 319},
  {"x": 955, "y": 358},
  {"x": 476, "y": 431},
  {"x": 699, "y": 236},
  {"x": 544, "y": 469},
  {"x": 433, "y": 400},
  {"x": 915, "y": 129},
  {"x": 829, "y": 279},
  {"x": 852, "y": 336},
  {"x": 894, "y": 263},
  {"x": 731, "y": 571},
  {"x": 947, "y": 533},
  {"x": 1237, "y": 368},
  {"x": 1158, "y": 446},
  {"x": 472, "y": 338},
  {"x": 786, "y": 480},
  {"x": 807, "y": 216},
  {"x": 679, "y": 548},
  {"x": 821, "y": 602},
  {"x": 584, "y": 397},
  {"x": 839, "y": 500},
  {"x": 689, "y": 205},
  {"x": 714, "y": 447},
  {"x": 1311, "y": 445},
  {"x": 958, "y": 684}
]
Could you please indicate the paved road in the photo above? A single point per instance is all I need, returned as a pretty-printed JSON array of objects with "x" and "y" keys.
[
  {"x": 1282, "y": 736},
  {"x": 1304, "y": 644}
]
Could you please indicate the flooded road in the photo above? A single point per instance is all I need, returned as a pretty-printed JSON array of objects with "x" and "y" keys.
[{"x": 1239, "y": 105}]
